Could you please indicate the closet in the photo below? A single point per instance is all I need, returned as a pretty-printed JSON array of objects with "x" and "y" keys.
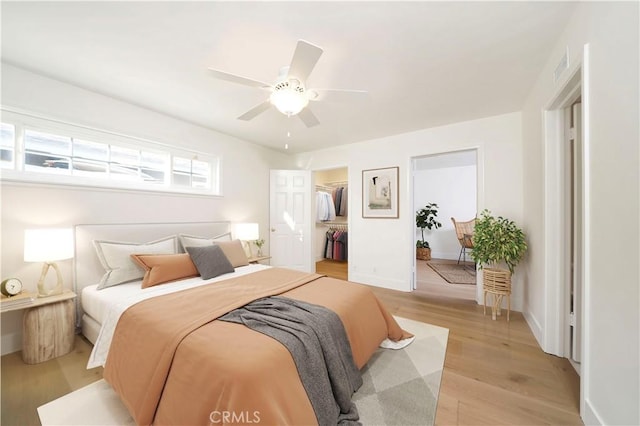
[{"x": 332, "y": 229}]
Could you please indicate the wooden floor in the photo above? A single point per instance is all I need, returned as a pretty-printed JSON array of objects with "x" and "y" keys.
[
  {"x": 26, "y": 387},
  {"x": 429, "y": 283},
  {"x": 494, "y": 373}
]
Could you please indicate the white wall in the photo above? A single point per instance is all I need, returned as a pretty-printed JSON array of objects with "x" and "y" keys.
[
  {"x": 454, "y": 190},
  {"x": 245, "y": 178},
  {"x": 610, "y": 368},
  {"x": 381, "y": 250}
]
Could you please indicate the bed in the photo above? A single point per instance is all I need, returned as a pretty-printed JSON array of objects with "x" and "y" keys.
[{"x": 171, "y": 359}]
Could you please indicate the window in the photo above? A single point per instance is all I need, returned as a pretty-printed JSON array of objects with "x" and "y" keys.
[
  {"x": 191, "y": 173},
  {"x": 100, "y": 159},
  {"x": 7, "y": 145}
]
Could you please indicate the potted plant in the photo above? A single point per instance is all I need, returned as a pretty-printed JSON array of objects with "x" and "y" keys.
[
  {"x": 497, "y": 242},
  {"x": 426, "y": 218},
  {"x": 259, "y": 243}
]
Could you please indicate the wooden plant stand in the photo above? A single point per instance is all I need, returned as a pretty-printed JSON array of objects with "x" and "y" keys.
[{"x": 498, "y": 283}]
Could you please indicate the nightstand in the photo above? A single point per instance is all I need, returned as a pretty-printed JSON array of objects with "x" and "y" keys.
[
  {"x": 258, "y": 259},
  {"x": 48, "y": 328}
]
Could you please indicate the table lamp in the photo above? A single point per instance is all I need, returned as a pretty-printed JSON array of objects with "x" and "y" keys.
[
  {"x": 48, "y": 246},
  {"x": 248, "y": 232}
]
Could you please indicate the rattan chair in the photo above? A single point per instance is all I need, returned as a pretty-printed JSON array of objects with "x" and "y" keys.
[{"x": 464, "y": 233}]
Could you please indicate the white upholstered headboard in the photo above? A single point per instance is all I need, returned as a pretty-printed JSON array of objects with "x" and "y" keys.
[{"x": 87, "y": 269}]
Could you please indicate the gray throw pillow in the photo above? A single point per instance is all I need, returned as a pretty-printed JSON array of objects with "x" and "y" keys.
[{"x": 210, "y": 261}]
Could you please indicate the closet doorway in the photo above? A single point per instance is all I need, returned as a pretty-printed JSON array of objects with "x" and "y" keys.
[
  {"x": 332, "y": 224},
  {"x": 449, "y": 180}
]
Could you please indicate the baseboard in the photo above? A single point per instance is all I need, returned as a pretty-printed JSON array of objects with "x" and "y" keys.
[
  {"x": 446, "y": 255},
  {"x": 11, "y": 342},
  {"x": 590, "y": 416},
  {"x": 535, "y": 326}
]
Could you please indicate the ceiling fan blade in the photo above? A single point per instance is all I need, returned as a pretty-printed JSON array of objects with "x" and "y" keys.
[
  {"x": 233, "y": 78},
  {"x": 338, "y": 95},
  {"x": 308, "y": 118},
  {"x": 304, "y": 59},
  {"x": 256, "y": 110}
]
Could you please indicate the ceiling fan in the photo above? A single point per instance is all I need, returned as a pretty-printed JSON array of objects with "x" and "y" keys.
[{"x": 289, "y": 93}]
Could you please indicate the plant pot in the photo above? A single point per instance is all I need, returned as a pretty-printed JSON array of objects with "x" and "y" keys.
[{"x": 423, "y": 253}]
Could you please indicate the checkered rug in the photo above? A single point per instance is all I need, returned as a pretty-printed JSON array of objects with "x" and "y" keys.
[{"x": 401, "y": 386}]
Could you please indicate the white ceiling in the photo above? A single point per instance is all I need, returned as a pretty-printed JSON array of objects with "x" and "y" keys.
[{"x": 423, "y": 63}]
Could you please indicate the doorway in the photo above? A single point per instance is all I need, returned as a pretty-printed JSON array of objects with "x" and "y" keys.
[
  {"x": 331, "y": 233},
  {"x": 449, "y": 180}
]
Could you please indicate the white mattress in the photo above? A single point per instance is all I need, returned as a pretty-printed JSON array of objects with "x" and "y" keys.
[
  {"x": 111, "y": 305},
  {"x": 96, "y": 303}
]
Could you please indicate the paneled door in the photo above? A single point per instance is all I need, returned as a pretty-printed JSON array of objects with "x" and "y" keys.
[{"x": 290, "y": 219}]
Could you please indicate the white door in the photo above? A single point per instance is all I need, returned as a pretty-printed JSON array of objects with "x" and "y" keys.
[{"x": 290, "y": 219}]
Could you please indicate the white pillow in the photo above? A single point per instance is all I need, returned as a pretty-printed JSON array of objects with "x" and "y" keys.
[
  {"x": 194, "y": 241},
  {"x": 116, "y": 258}
]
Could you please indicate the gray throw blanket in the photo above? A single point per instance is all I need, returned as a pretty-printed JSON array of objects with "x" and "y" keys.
[{"x": 318, "y": 343}]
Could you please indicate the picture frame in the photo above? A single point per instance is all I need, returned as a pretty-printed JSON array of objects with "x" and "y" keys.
[{"x": 380, "y": 193}]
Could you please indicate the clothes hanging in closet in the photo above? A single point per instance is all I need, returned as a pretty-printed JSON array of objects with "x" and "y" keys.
[
  {"x": 325, "y": 208},
  {"x": 336, "y": 245},
  {"x": 339, "y": 196}
]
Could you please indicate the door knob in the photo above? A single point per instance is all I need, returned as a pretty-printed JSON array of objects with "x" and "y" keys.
[{"x": 273, "y": 229}]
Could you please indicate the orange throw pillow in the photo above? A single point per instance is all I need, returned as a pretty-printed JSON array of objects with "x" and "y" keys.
[{"x": 163, "y": 268}]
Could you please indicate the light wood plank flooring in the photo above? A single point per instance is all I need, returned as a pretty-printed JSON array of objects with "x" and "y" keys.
[
  {"x": 26, "y": 387},
  {"x": 495, "y": 372},
  {"x": 429, "y": 283}
]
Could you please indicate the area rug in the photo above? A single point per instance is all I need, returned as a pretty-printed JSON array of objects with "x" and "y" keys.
[
  {"x": 400, "y": 388},
  {"x": 454, "y": 273}
]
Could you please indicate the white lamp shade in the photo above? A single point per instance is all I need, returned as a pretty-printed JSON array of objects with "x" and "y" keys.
[
  {"x": 48, "y": 245},
  {"x": 247, "y": 231}
]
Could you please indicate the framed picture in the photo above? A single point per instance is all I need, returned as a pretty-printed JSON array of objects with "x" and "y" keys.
[{"x": 380, "y": 193}]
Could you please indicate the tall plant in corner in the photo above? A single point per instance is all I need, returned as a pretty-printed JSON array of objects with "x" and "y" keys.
[
  {"x": 426, "y": 218},
  {"x": 497, "y": 241}
]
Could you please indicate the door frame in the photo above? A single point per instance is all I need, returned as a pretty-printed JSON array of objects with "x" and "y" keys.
[
  {"x": 556, "y": 316},
  {"x": 480, "y": 203}
]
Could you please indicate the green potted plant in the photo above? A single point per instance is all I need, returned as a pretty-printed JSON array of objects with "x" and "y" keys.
[
  {"x": 426, "y": 218},
  {"x": 497, "y": 242},
  {"x": 259, "y": 243}
]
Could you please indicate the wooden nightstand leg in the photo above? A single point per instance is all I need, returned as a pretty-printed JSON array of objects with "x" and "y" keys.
[{"x": 48, "y": 331}]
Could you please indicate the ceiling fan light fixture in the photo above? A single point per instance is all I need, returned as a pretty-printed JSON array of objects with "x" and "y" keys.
[{"x": 289, "y": 100}]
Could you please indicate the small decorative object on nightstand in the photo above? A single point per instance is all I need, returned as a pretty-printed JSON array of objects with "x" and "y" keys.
[
  {"x": 48, "y": 245},
  {"x": 11, "y": 287}
]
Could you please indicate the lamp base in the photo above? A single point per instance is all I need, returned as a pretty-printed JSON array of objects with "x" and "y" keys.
[{"x": 42, "y": 290}]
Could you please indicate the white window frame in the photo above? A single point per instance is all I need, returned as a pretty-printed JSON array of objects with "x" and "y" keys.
[{"x": 25, "y": 120}]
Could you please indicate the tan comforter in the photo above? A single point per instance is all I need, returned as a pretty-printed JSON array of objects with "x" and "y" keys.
[{"x": 171, "y": 363}]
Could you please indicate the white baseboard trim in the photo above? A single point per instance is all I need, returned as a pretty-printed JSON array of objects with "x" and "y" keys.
[
  {"x": 11, "y": 342},
  {"x": 378, "y": 281},
  {"x": 446, "y": 255},
  {"x": 590, "y": 416},
  {"x": 535, "y": 326}
]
